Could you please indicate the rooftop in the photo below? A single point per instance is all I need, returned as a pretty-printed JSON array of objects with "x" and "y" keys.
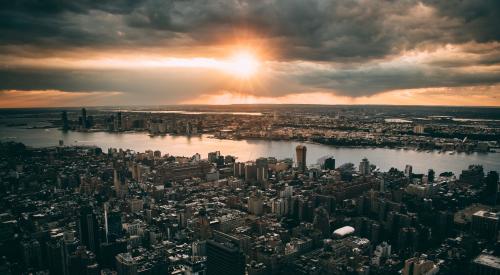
[{"x": 488, "y": 260}]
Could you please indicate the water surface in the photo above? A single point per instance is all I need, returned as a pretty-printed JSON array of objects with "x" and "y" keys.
[{"x": 252, "y": 149}]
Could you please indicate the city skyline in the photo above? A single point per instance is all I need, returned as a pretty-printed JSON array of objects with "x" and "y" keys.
[{"x": 81, "y": 53}]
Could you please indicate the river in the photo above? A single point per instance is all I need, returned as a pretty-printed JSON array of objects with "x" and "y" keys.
[{"x": 252, "y": 149}]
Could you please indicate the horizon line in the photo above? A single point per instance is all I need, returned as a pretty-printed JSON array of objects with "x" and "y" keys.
[{"x": 248, "y": 104}]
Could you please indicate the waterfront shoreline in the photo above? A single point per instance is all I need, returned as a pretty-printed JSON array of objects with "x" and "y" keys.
[{"x": 250, "y": 149}]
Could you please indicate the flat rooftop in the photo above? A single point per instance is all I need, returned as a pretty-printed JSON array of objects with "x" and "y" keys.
[{"x": 488, "y": 260}]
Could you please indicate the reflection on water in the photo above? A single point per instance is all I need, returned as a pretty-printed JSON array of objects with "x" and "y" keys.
[
  {"x": 192, "y": 112},
  {"x": 252, "y": 149}
]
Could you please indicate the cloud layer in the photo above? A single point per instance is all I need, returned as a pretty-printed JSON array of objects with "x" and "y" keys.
[{"x": 353, "y": 48}]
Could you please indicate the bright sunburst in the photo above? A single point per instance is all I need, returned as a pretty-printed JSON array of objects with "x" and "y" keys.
[{"x": 243, "y": 64}]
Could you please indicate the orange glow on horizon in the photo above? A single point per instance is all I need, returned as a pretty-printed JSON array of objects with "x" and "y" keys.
[
  {"x": 55, "y": 98},
  {"x": 242, "y": 63},
  {"x": 464, "y": 96}
]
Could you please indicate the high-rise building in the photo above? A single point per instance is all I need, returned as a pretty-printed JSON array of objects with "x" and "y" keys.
[
  {"x": 420, "y": 266},
  {"x": 56, "y": 257},
  {"x": 114, "y": 225},
  {"x": 119, "y": 121},
  {"x": 279, "y": 206},
  {"x": 204, "y": 230},
  {"x": 255, "y": 204},
  {"x": 262, "y": 169},
  {"x": 65, "y": 123},
  {"x": 364, "y": 167},
  {"x": 125, "y": 264},
  {"x": 491, "y": 188},
  {"x": 88, "y": 228},
  {"x": 213, "y": 156},
  {"x": 83, "y": 262},
  {"x": 120, "y": 183},
  {"x": 474, "y": 174},
  {"x": 301, "y": 152},
  {"x": 108, "y": 252},
  {"x": 32, "y": 254},
  {"x": 431, "y": 175},
  {"x": 239, "y": 169},
  {"x": 322, "y": 221},
  {"x": 329, "y": 163},
  {"x": 250, "y": 172},
  {"x": 84, "y": 118},
  {"x": 408, "y": 170},
  {"x": 486, "y": 224},
  {"x": 224, "y": 258}
]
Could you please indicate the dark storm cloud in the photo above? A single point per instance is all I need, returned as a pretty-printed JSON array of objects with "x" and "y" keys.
[
  {"x": 54, "y": 25},
  {"x": 308, "y": 30},
  {"x": 370, "y": 80},
  {"x": 480, "y": 18},
  {"x": 137, "y": 86}
]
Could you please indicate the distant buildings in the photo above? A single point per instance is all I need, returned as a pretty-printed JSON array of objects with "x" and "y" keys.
[
  {"x": 85, "y": 122},
  {"x": 447, "y": 135},
  {"x": 419, "y": 129}
]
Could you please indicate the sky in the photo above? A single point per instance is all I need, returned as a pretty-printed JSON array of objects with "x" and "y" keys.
[{"x": 160, "y": 52}]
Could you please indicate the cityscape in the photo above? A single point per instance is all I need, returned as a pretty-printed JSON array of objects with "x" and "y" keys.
[
  {"x": 250, "y": 137},
  {"x": 84, "y": 209}
]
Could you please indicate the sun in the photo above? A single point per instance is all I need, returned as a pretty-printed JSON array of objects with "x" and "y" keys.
[{"x": 243, "y": 64}]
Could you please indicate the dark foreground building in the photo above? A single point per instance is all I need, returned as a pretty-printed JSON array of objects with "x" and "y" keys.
[{"x": 224, "y": 259}]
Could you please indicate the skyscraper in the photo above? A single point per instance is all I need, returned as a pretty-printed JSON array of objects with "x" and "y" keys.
[
  {"x": 255, "y": 204},
  {"x": 224, "y": 259},
  {"x": 486, "y": 224},
  {"x": 408, "y": 170},
  {"x": 84, "y": 118},
  {"x": 431, "y": 175},
  {"x": 88, "y": 228},
  {"x": 262, "y": 169},
  {"x": 329, "y": 163},
  {"x": 301, "y": 152},
  {"x": 64, "y": 118},
  {"x": 204, "y": 230},
  {"x": 125, "y": 264},
  {"x": 250, "y": 172},
  {"x": 56, "y": 257},
  {"x": 83, "y": 262},
  {"x": 364, "y": 167},
  {"x": 239, "y": 169},
  {"x": 119, "y": 122},
  {"x": 322, "y": 221}
]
